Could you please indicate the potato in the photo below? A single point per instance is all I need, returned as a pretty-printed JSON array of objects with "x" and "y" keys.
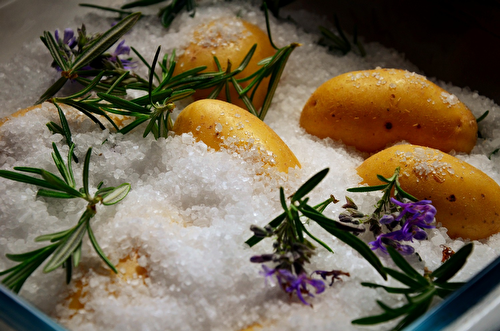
[
  {"x": 227, "y": 39},
  {"x": 69, "y": 112},
  {"x": 128, "y": 269},
  {"x": 466, "y": 199},
  {"x": 218, "y": 123},
  {"x": 373, "y": 108}
]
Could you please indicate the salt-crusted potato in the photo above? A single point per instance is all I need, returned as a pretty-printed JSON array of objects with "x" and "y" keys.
[
  {"x": 128, "y": 268},
  {"x": 227, "y": 39},
  {"x": 118, "y": 119},
  {"x": 466, "y": 199},
  {"x": 218, "y": 123},
  {"x": 373, "y": 108}
]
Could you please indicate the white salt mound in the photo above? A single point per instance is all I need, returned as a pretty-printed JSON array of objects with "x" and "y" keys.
[{"x": 190, "y": 208}]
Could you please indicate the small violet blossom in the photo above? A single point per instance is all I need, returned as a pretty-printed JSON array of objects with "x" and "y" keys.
[
  {"x": 68, "y": 38},
  {"x": 69, "y": 41},
  {"x": 122, "y": 49},
  {"x": 419, "y": 216},
  {"x": 291, "y": 283}
]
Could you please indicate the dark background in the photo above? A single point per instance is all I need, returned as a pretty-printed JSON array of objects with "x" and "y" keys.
[{"x": 455, "y": 41}]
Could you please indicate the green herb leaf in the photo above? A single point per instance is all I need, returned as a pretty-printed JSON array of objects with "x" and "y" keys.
[
  {"x": 98, "y": 249},
  {"x": 59, "y": 184},
  {"x": 448, "y": 269},
  {"x": 117, "y": 195},
  {"x": 54, "y": 194},
  {"x": 401, "y": 262},
  {"x": 388, "y": 315},
  {"x": 274, "y": 224},
  {"x": 105, "y": 41},
  {"x": 309, "y": 185},
  {"x": 26, "y": 179},
  {"x": 403, "y": 278},
  {"x": 367, "y": 188},
  {"x": 388, "y": 289},
  {"x": 340, "y": 231},
  {"x": 482, "y": 117},
  {"x": 53, "y": 89},
  {"x": 69, "y": 244},
  {"x": 51, "y": 44},
  {"x": 53, "y": 236}
]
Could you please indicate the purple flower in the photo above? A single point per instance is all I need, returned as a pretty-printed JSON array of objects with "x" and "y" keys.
[
  {"x": 421, "y": 211},
  {"x": 392, "y": 239},
  {"x": 417, "y": 216},
  {"x": 387, "y": 219},
  {"x": 261, "y": 258},
  {"x": 122, "y": 49},
  {"x": 68, "y": 38},
  {"x": 300, "y": 283},
  {"x": 291, "y": 283}
]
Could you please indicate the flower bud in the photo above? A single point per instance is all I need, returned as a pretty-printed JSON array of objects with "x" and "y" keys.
[
  {"x": 261, "y": 258},
  {"x": 258, "y": 231}
]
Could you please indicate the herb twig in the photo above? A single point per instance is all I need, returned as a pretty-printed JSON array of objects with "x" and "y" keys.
[
  {"x": 71, "y": 61},
  {"x": 65, "y": 246},
  {"x": 292, "y": 249},
  {"x": 339, "y": 41},
  {"x": 420, "y": 290},
  {"x": 405, "y": 221}
]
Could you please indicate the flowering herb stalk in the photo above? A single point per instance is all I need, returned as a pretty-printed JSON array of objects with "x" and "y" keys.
[
  {"x": 77, "y": 57},
  {"x": 397, "y": 219},
  {"x": 420, "y": 290},
  {"x": 156, "y": 107},
  {"x": 293, "y": 250},
  {"x": 65, "y": 247}
]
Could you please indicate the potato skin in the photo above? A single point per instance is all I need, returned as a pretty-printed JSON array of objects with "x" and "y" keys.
[
  {"x": 211, "y": 40},
  {"x": 373, "y": 108},
  {"x": 213, "y": 121},
  {"x": 466, "y": 199}
]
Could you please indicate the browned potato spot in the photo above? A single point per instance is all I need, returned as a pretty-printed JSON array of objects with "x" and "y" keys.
[
  {"x": 373, "y": 108},
  {"x": 466, "y": 199}
]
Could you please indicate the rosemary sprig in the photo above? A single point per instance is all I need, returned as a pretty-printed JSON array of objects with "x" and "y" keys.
[
  {"x": 168, "y": 13},
  {"x": 391, "y": 213},
  {"x": 420, "y": 290},
  {"x": 292, "y": 249},
  {"x": 65, "y": 246},
  {"x": 155, "y": 108},
  {"x": 340, "y": 42},
  {"x": 71, "y": 63}
]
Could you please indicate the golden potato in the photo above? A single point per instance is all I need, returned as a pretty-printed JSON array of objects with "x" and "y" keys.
[
  {"x": 227, "y": 39},
  {"x": 466, "y": 199},
  {"x": 373, "y": 108},
  {"x": 218, "y": 123}
]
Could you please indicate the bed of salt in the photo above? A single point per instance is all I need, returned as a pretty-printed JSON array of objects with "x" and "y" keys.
[{"x": 190, "y": 208}]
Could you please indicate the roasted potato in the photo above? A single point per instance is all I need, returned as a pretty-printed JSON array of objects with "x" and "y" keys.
[
  {"x": 373, "y": 108},
  {"x": 218, "y": 123},
  {"x": 228, "y": 39},
  {"x": 466, "y": 199}
]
